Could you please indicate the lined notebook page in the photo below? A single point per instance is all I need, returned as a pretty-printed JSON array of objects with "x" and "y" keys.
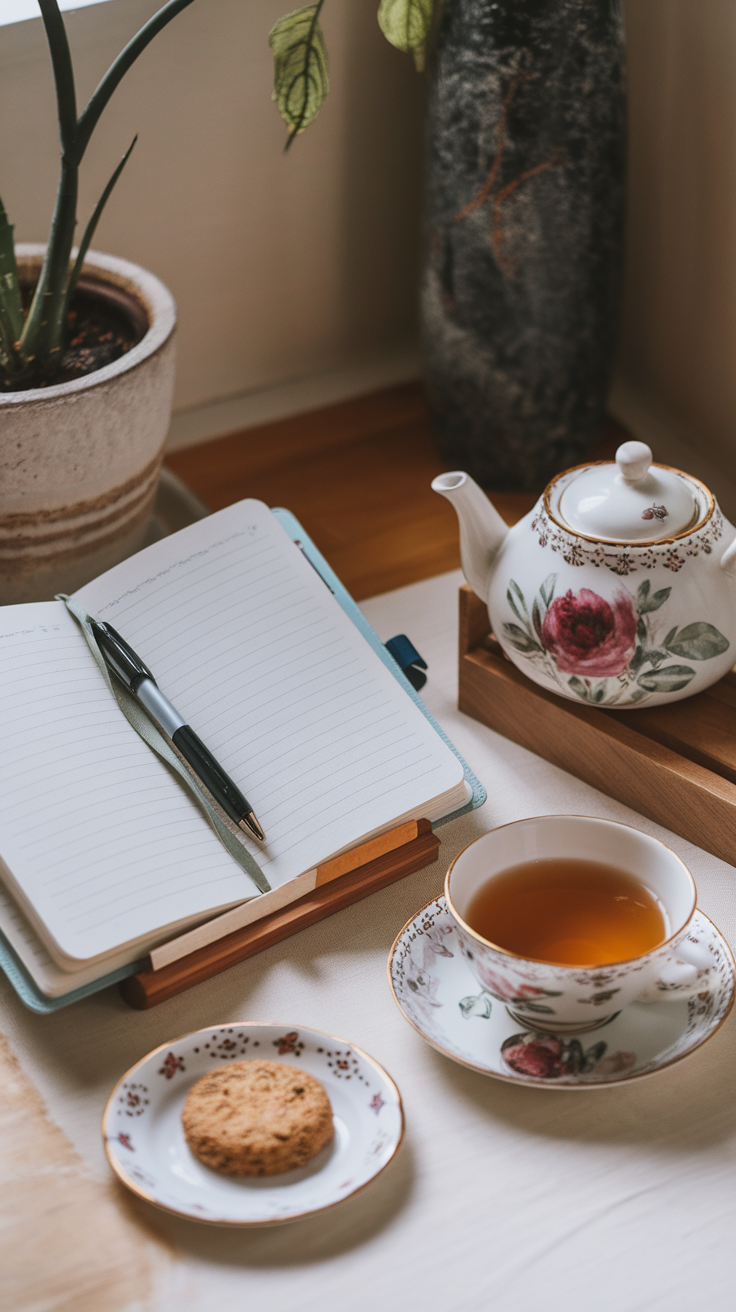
[
  {"x": 50, "y": 978},
  {"x": 101, "y": 843},
  {"x": 27, "y": 945},
  {"x": 256, "y": 654}
]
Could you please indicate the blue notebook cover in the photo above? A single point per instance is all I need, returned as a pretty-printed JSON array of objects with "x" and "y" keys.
[{"x": 14, "y": 969}]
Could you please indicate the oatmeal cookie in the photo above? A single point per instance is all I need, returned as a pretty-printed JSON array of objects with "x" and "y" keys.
[{"x": 257, "y": 1118}]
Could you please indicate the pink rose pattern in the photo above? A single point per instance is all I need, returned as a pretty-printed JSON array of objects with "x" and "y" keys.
[
  {"x": 592, "y": 640},
  {"x": 547, "y": 1057},
  {"x": 587, "y": 636}
]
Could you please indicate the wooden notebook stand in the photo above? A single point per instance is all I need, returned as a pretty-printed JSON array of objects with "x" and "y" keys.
[
  {"x": 339, "y": 882},
  {"x": 675, "y": 764}
]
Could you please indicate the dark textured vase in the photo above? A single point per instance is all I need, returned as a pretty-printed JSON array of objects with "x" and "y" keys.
[{"x": 524, "y": 232}]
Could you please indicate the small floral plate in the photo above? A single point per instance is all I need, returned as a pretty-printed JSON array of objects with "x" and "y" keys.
[
  {"x": 145, "y": 1145},
  {"x": 435, "y": 991}
]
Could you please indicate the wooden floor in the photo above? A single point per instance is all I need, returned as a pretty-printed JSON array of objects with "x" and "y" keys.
[{"x": 357, "y": 475}]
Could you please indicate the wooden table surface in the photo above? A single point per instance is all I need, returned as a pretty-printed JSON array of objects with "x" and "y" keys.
[{"x": 357, "y": 476}]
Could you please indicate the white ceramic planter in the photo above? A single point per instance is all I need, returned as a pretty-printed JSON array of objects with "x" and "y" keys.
[{"x": 79, "y": 462}]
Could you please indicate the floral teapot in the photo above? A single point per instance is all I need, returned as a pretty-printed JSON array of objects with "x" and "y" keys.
[{"x": 617, "y": 589}]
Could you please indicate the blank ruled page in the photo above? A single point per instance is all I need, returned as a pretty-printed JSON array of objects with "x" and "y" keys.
[
  {"x": 101, "y": 843},
  {"x": 260, "y": 659},
  {"x": 50, "y": 978}
]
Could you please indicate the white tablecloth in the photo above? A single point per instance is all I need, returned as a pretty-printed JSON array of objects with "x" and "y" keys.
[{"x": 500, "y": 1197}]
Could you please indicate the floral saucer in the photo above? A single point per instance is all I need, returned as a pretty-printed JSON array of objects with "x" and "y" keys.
[
  {"x": 145, "y": 1145},
  {"x": 435, "y": 991}
]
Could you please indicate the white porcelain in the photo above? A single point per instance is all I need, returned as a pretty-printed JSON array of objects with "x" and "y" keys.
[
  {"x": 437, "y": 994},
  {"x": 146, "y": 1148},
  {"x": 617, "y": 589},
  {"x": 577, "y": 998},
  {"x": 80, "y": 461},
  {"x": 631, "y": 500}
]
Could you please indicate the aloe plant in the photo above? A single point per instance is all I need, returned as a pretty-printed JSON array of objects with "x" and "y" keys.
[{"x": 32, "y": 344}]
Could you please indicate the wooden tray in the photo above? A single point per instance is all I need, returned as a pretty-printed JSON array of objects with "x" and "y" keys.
[{"x": 675, "y": 764}]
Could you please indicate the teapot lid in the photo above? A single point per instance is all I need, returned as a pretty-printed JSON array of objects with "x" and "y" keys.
[{"x": 629, "y": 501}]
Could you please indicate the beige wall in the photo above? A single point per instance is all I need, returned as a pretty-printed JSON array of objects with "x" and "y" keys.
[
  {"x": 678, "y": 352},
  {"x": 284, "y": 267},
  {"x": 295, "y": 275}
]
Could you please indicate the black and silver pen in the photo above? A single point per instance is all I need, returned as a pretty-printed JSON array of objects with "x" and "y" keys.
[{"x": 137, "y": 678}]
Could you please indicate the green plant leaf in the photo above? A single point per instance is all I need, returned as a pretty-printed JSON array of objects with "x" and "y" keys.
[
  {"x": 89, "y": 231},
  {"x": 476, "y": 1005},
  {"x": 406, "y": 24},
  {"x": 537, "y": 619},
  {"x": 547, "y": 590},
  {"x": 698, "y": 642},
  {"x": 41, "y": 341},
  {"x": 671, "y": 678},
  {"x": 669, "y": 637},
  {"x": 513, "y": 605},
  {"x": 656, "y": 656},
  {"x": 641, "y": 631},
  {"x": 594, "y": 1054},
  {"x": 61, "y": 63},
  {"x": 517, "y": 590},
  {"x": 519, "y": 639},
  {"x": 100, "y": 97},
  {"x": 637, "y": 659},
  {"x": 11, "y": 310},
  {"x": 578, "y": 687},
  {"x": 654, "y": 602},
  {"x": 301, "y": 75},
  {"x": 642, "y": 592}
]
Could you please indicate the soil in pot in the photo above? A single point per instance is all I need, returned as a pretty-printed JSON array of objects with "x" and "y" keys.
[{"x": 103, "y": 324}]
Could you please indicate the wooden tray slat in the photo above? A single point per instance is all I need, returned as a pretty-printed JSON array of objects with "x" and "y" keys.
[
  {"x": 703, "y": 728},
  {"x": 675, "y": 764}
]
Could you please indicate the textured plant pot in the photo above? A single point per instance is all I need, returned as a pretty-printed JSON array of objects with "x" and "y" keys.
[
  {"x": 80, "y": 461},
  {"x": 524, "y": 223}
]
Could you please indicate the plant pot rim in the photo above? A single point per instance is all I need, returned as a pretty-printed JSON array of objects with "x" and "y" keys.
[{"x": 145, "y": 287}]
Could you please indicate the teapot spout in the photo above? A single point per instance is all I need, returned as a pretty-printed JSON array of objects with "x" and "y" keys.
[{"x": 482, "y": 530}]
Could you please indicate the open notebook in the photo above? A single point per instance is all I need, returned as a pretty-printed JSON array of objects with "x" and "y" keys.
[{"x": 104, "y": 854}]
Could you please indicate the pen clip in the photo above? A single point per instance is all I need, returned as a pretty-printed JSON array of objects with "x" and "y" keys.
[{"x": 119, "y": 656}]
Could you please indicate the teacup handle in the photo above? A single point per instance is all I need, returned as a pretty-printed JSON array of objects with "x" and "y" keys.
[{"x": 686, "y": 973}]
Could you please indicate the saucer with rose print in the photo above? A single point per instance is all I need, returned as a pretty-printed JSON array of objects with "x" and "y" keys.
[
  {"x": 146, "y": 1148},
  {"x": 436, "y": 992}
]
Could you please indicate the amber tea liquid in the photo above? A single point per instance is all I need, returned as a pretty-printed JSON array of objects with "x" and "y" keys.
[{"x": 569, "y": 912}]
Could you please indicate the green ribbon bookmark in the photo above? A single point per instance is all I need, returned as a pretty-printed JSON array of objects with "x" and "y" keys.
[{"x": 155, "y": 739}]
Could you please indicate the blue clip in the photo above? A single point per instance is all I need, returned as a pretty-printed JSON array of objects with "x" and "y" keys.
[{"x": 408, "y": 660}]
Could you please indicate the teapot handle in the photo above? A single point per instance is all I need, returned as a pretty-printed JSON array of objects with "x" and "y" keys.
[{"x": 728, "y": 560}]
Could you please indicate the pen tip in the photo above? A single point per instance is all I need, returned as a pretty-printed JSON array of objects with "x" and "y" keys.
[{"x": 249, "y": 823}]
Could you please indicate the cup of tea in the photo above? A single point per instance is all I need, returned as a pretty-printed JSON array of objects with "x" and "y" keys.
[{"x": 568, "y": 919}]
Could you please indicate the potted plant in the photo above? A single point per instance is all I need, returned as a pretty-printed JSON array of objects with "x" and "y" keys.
[{"x": 87, "y": 340}]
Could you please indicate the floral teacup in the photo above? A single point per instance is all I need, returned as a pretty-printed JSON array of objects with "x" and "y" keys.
[{"x": 575, "y": 998}]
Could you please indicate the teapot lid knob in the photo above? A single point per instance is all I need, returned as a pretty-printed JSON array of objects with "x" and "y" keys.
[
  {"x": 633, "y": 460},
  {"x": 632, "y": 501}
]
